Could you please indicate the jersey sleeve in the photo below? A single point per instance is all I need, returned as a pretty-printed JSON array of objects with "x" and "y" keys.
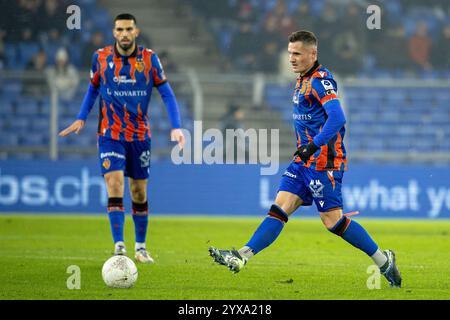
[
  {"x": 95, "y": 72},
  {"x": 324, "y": 89},
  {"x": 157, "y": 71}
]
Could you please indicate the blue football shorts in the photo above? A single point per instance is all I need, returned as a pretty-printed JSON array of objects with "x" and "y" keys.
[
  {"x": 324, "y": 187},
  {"x": 133, "y": 158}
]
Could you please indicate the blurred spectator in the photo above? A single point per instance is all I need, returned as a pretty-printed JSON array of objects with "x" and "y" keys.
[
  {"x": 36, "y": 67},
  {"x": 268, "y": 58},
  {"x": 353, "y": 21},
  {"x": 348, "y": 54},
  {"x": 395, "y": 39},
  {"x": 26, "y": 14},
  {"x": 144, "y": 40},
  {"x": 2, "y": 49},
  {"x": 96, "y": 42},
  {"x": 232, "y": 120},
  {"x": 168, "y": 64},
  {"x": 327, "y": 26},
  {"x": 339, "y": 25},
  {"x": 285, "y": 23},
  {"x": 419, "y": 47},
  {"x": 269, "y": 41},
  {"x": 245, "y": 11},
  {"x": 7, "y": 24},
  {"x": 169, "y": 67},
  {"x": 243, "y": 48},
  {"x": 53, "y": 19},
  {"x": 270, "y": 32},
  {"x": 63, "y": 76},
  {"x": 303, "y": 18},
  {"x": 38, "y": 63},
  {"x": 441, "y": 50}
]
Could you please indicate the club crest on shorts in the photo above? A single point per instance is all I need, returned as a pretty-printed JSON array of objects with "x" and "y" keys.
[
  {"x": 139, "y": 65},
  {"x": 316, "y": 188},
  {"x": 145, "y": 159},
  {"x": 106, "y": 163}
]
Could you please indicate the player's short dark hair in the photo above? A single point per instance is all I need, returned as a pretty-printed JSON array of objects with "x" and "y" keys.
[
  {"x": 125, "y": 16},
  {"x": 307, "y": 37}
]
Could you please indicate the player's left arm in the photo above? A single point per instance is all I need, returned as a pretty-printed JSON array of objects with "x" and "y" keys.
[
  {"x": 169, "y": 99},
  {"x": 325, "y": 91}
]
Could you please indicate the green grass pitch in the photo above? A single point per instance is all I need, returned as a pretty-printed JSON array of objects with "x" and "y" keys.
[{"x": 306, "y": 261}]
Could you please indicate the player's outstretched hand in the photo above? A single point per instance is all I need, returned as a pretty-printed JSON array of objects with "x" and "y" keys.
[
  {"x": 76, "y": 127},
  {"x": 178, "y": 136},
  {"x": 305, "y": 152}
]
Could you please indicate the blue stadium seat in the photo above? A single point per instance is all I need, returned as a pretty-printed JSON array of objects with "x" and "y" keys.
[
  {"x": 90, "y": 127},
  {"x": 21, "y": 156},
  {"x": 10, "y": 55},
  {"x": 72, "y": 156},
  {"x": 13, "y": 88},
  {"x": 50, "y": 49},
  {"x": 444, "y": 145},
  {"x": 64, "y": 122},
  {"x": 6, "y": 107},
  {"x": 27, "y": 107},
  {"x": 357, "y": 128},
  {"x": 160, "y": 141},
  {"x": 390, "y": 116},
  {"x": 419, "y": 94},
  {"x": 33, "y": 139},
  {"x": 188, "y": 124},
  {"x": 9, "y": 139},
  {"x": 370, "y": 103},
  {"x": 81, "y": 140},
  {"x": 396, "y": 97},
  {"x": 21, "y": 124},
  {"x": 40, "y": 124}
]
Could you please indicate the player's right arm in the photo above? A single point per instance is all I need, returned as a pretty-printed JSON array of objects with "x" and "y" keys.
[{"x": 88, "y": 101}]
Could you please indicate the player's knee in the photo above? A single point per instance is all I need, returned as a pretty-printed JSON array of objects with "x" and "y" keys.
[
  {"x": 115, "y": 186},
  {"x": 331, "y": 217},
  {"x": 138, "y": 194}
]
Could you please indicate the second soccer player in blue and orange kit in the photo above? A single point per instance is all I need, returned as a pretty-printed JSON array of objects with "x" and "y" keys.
[{"x": 124, "y": 75}]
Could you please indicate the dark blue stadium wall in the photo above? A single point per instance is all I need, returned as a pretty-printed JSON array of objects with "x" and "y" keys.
[{"x": 77, "y": 187}]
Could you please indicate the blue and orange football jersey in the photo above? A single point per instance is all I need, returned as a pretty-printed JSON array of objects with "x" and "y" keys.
[
  {"x": 125, "y": 84},
  {"x": 312, "y": 91}
]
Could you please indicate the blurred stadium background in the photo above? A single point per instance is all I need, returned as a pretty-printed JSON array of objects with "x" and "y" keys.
[{"x": 222, "y": 57}]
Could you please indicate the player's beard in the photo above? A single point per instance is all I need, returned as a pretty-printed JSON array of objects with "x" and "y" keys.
[{"x": 126, "y": 47}]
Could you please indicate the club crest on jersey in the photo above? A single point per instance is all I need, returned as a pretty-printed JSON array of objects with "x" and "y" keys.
[
  {"x": 316, "y": 188},
  {"x": 106, "y": 164},
  {"x": 139, "y": 65}
]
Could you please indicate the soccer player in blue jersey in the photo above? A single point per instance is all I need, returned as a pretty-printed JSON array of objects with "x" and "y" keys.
[
  {"x": 124, "y": 75},
  {"x": 316, "y": 171}
]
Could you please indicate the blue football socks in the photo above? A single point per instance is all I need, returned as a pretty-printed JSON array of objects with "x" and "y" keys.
[
  {"x": 116, "y": 218},
  {"x": 352, "y": 232},
  {"x": 140, "y": 218},
  {"x": 268, "y": 230}
]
